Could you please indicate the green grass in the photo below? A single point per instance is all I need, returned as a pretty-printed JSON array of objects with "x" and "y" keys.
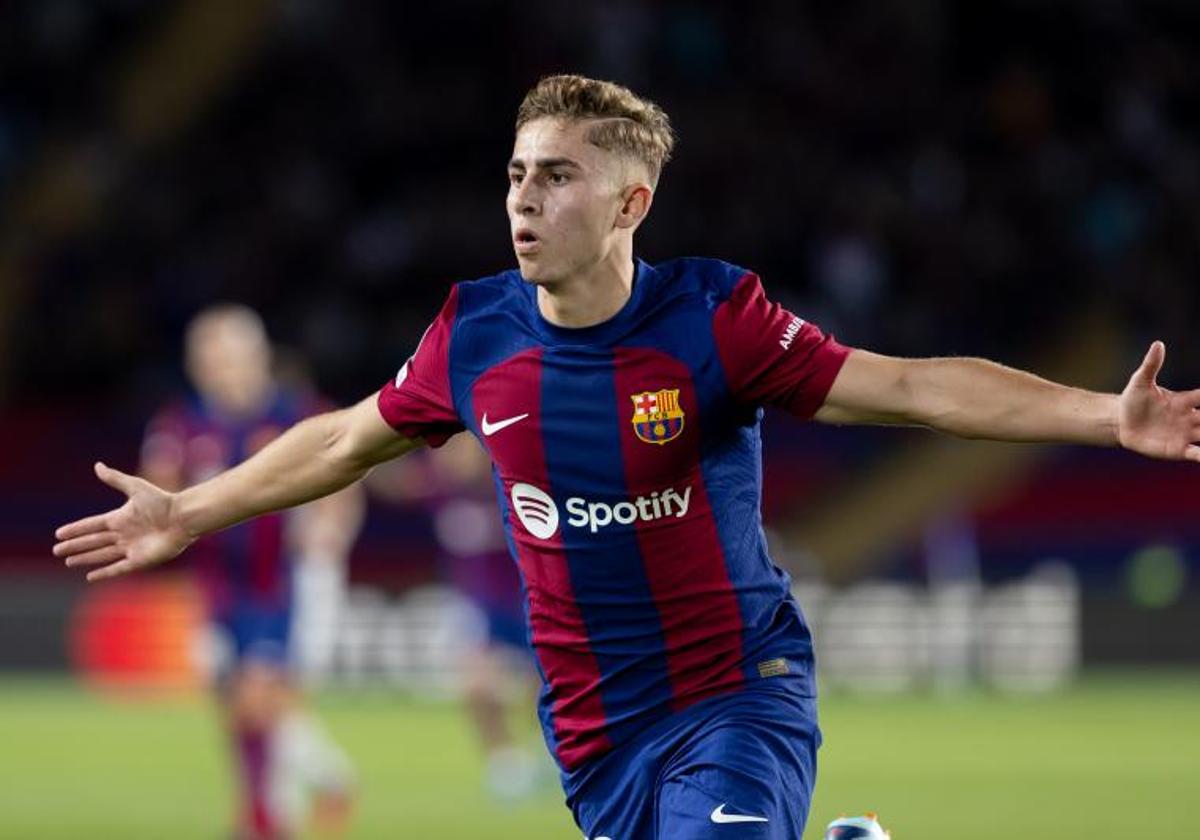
[{"x": 1116, "y": 757}]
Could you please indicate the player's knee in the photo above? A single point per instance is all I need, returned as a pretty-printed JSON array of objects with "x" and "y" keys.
[
  {"x": 482, "y": 679},
  {"x": 261, "y": 694}
]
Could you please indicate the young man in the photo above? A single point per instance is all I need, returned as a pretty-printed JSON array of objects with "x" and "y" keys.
[
  {"x": 246, "y": 574},
  {"x": 620, "y": 405}
]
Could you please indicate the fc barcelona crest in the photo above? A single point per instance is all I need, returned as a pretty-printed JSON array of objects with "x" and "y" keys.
[{"x": 657, "y": 417}]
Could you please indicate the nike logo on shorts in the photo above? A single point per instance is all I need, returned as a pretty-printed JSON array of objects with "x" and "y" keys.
[
  {"x": 490, "y": 429},
  {"x": 719, "y": 816}
]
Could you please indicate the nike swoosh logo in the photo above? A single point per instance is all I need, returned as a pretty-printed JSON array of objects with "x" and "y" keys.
[
  {"x": 719, "y": 816},
  {"x": 490, "y": 429}
]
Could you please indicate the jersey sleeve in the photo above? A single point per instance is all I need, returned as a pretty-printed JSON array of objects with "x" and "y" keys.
[
  {"x": 165, "y": 442},
  {"x": 772, "y": 357},
  {"x": 419, "y": 403}
]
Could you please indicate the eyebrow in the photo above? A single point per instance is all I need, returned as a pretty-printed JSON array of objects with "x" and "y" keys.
[{"x": 545, "y": 163}]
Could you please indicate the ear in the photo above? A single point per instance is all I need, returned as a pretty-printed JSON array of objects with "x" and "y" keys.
[{"x": 635, "y": 204}]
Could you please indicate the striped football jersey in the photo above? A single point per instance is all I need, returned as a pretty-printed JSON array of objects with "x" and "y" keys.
[{"x": 627, "y": 464}]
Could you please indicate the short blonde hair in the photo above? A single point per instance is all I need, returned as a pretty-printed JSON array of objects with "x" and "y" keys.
[{"x": 625, "y": 122}]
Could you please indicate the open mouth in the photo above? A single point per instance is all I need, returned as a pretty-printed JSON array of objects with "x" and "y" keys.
[{"x": 525, "y": 241}]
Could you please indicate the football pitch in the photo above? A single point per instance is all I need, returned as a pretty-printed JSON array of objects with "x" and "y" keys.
[{"x": 1117, "y": 756}]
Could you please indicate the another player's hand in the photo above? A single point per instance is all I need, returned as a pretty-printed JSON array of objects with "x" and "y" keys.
[
  {"x": 143, "y": 532},
  {"x": 1154, "y": 421}
]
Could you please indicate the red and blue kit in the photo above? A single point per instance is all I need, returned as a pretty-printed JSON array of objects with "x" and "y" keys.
[
  {"x": 627, "y": 463},
  {"x": 244, "y": 572}
]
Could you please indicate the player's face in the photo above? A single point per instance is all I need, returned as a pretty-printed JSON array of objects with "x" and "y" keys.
[
  {"x": 229, "y": 362},
  {"x": 563, "y": 198}
]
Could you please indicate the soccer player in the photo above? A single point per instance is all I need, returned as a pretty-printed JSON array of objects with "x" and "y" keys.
[
  {"x": 620, "y": 404},
  {"x": 454, "y": 484},
  {"x": 246, "y": 574}
]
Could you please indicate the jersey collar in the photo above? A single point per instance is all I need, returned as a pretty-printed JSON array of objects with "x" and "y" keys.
[{"x": 606, "y": 332}]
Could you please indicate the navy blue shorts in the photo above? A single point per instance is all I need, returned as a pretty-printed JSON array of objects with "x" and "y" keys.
[
  {"x": 257, "y": 633},
  {"x": 742, "y": 765},
  {"x": 507, "y": 629}
]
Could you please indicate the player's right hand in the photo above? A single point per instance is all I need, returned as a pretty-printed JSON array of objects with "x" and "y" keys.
[{"x": 143, "y": 532}]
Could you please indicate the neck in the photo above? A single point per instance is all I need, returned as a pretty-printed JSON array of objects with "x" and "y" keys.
[
  {"x": 243, "y": 404},
  {"x": 590, "y": 297}
]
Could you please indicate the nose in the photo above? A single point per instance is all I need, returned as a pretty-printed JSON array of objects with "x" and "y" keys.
[{"x": 526, "y": 198}]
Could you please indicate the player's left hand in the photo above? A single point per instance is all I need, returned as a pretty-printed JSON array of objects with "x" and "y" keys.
[{"x": 1154, "y": 421}]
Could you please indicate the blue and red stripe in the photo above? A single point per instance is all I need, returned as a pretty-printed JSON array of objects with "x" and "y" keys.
[
  {"x": 682, "y": 557},
  {"x": 559, "y": 634},
  {"x": 584, "y": 456}
]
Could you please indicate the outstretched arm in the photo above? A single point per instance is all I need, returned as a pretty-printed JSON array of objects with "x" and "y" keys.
[
  {"x": 974, "y": 398},
  {"x": 314, "y": 458}
]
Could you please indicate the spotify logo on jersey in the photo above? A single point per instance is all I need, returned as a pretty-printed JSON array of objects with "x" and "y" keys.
[
  {"x": 536, "y": 510},
  {"x": 539, "y": 514}
]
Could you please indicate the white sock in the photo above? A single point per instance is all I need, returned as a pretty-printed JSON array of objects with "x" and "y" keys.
[
  {"x": 320, "y": 585},
  {"x": 512, "y": 773},
  {"x": 305, "y": 760}
]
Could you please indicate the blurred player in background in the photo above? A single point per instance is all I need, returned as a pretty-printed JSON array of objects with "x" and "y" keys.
[
  {"x": 268, "y": 584},
  {"x": 455, "y": 485},
  {"x": 621, "y": 403}
]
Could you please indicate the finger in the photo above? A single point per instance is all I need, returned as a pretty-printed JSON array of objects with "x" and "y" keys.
[
  {"x": 122, "y": 567},
  {"x": 80, "y": 527},
  {"x": 100, "y": 555},
  {"x": 81, "y": 544},
  {"x": 1147, "y": 373},
  {"x": 115, "y": 478},
  {"x": 1192, "y": 453}
]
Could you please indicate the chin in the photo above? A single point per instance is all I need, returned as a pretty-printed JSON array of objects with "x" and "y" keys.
[{"x": 533, "y": 273}]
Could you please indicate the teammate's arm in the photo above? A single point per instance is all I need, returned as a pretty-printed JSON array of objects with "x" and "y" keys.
[
  {"x": 314, "y": 458},
  {"x": 974, "y": 398}
]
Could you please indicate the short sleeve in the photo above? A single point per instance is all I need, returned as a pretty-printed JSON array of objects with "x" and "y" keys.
[
  {"x": 772, "y": 357},
  {"x": 419, "y": 403},
  {"x": 165, "y": 441}
]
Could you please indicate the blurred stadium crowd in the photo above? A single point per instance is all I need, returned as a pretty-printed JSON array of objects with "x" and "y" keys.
[{"x": 920, "y": 177}]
